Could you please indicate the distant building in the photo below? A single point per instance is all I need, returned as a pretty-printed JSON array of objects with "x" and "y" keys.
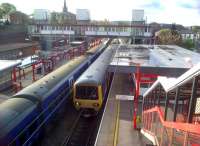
[
  {"x": 83, "y": 15},
  {"x": 65, "y": 10},
  {"x": 138, "y": 15},
  {"x": 154, "y": 27},
  {"x": 41, "y": 14},
  {"x": 17, "y": 17},
  {"x": 66, "y": 17},
  {"x": 138, "y": 19},
  {"x": 189, "y": 34},
  {"x": 15, "y": 51}
]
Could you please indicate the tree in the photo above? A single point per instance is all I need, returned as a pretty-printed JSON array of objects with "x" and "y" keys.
[
  {"x": 189, "y": 44},
  {"x": 7, "y": 8},
  {"x": 168, "y": 37},
  {"x": 1, "y": 13}
]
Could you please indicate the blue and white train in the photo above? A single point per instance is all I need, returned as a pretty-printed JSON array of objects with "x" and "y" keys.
[{"x": 24, "y": 116}]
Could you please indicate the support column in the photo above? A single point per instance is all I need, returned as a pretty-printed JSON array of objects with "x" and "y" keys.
[
  {"x": 166, "y": 106},
  {"x": 19, "y": 70},
  {"x": 159, "y": 94},
  {"x": 14, "y": 75},
  {"x": 137, "y": 92},
  {"x": 193, "y": 99},
  {"x": 176, "y": 103},
  {"x": 23, "y": 73},
  {"x": 33, "y": 72},
  {"x": 154, "y": 97},
  {"x": 192, "y": 104},
  {"x": 175, "y": 113}
]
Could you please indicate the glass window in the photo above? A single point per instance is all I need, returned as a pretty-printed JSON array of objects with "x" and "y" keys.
[{"x": 86, "y": 92}]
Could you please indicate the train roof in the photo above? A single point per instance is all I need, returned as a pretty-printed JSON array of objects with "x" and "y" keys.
[
  {"x": 41, "y": 88},
  {"x": 98, "y": 48},
  {"x": 12, "y": 112},
  {"x": 95, "y": 73}
]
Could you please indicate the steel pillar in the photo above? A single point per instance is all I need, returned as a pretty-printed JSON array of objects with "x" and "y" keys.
[
  {"x": 193, "y": 99},
  {"x": 176, "y": 103},
  {"x": 166, "y": 106}
]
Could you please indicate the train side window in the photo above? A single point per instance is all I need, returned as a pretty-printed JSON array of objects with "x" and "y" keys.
[
  {"x": 22, "y": 138},
  {"x": 71, "y": 81},
  {"x": 14, "y": 143},
  {"x": 33, "y": 127}
]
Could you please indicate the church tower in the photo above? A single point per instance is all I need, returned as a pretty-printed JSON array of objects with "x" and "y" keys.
[{"x": 65, "y": 7}]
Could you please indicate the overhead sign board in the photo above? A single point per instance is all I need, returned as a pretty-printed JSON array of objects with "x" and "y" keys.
[{"x": 124, "y": 97}]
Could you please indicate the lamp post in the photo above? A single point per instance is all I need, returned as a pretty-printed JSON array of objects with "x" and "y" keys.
[{"x": 20, "y": 54}]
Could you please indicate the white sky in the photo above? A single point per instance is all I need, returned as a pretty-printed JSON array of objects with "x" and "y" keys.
[{"x": 186, "y": 12}]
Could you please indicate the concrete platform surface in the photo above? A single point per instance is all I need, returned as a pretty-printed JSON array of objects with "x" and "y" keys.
[{"x": 116, "y": 127}]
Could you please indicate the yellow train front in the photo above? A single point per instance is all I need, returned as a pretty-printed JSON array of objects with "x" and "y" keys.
[{"x": 91, "y": 87}]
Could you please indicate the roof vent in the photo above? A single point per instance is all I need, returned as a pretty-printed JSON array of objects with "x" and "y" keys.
[{"x": 89, "y": 76}]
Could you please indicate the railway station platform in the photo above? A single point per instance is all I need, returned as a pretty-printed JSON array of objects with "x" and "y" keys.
[{"x": 116, "y": 127}]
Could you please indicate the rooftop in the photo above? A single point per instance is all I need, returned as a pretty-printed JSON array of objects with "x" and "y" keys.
[
  {"x": 155, "y": 56},
  {"x": 166, "y": 60},
  {"x": 6, "y": 64},
  {"x": 13, "y": 46}
]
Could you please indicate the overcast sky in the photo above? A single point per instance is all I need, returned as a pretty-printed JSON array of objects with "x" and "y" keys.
[{"x": 186, "y": 12}]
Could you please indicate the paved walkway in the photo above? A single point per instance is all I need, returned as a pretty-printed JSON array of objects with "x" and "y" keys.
[{"x": 121, "y": 134}]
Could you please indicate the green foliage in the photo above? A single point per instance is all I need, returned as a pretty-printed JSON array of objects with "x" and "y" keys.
[
  {"x": 188, "y": 44},
  {"x": 6, "y": 8},
  {"x": 1, "y": 13},
  {"x": 168, "y": 37}
]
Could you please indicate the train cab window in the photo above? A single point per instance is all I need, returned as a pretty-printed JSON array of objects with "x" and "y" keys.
[{"x": 87, "y": 92}]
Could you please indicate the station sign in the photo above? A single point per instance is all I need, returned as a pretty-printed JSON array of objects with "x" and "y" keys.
[{"x": 124, "y": 97}]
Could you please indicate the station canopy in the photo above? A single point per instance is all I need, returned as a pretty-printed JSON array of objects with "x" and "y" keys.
[
  {"x": 167, "y": 60},
  {"x": 8, "y": 64}
]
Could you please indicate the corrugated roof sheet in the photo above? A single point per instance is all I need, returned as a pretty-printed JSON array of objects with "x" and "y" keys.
[{"x": 6, "y": 64}]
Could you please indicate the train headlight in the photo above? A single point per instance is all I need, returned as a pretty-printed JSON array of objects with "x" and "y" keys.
[
  {"x": 77, "y": 104},
  {"x": 95, "y": 104}
]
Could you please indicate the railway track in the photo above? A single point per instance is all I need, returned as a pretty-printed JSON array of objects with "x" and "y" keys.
[
  {"x": 71, "y": 129},
  {"x": 56, "y": 132},
  {"x": 82, "y": 132}
]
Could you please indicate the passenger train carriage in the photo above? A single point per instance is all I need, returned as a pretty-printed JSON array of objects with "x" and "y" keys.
[
  {"x": 92, "y": 85},
  {"x": 24, "y": 116}
]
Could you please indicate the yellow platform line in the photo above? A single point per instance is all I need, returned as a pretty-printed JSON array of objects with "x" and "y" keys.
[{"x": 116, "y": 134}]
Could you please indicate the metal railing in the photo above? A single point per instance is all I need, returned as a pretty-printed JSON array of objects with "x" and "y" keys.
[{"x": 169, "y": 133}]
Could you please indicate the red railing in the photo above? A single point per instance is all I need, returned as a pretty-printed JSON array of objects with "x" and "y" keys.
[{"x": 170, "y": 133}]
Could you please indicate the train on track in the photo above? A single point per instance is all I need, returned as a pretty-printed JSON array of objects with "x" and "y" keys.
[
  {"x": 24, "y": 116},
  {"x": 91, "y": 87}
]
